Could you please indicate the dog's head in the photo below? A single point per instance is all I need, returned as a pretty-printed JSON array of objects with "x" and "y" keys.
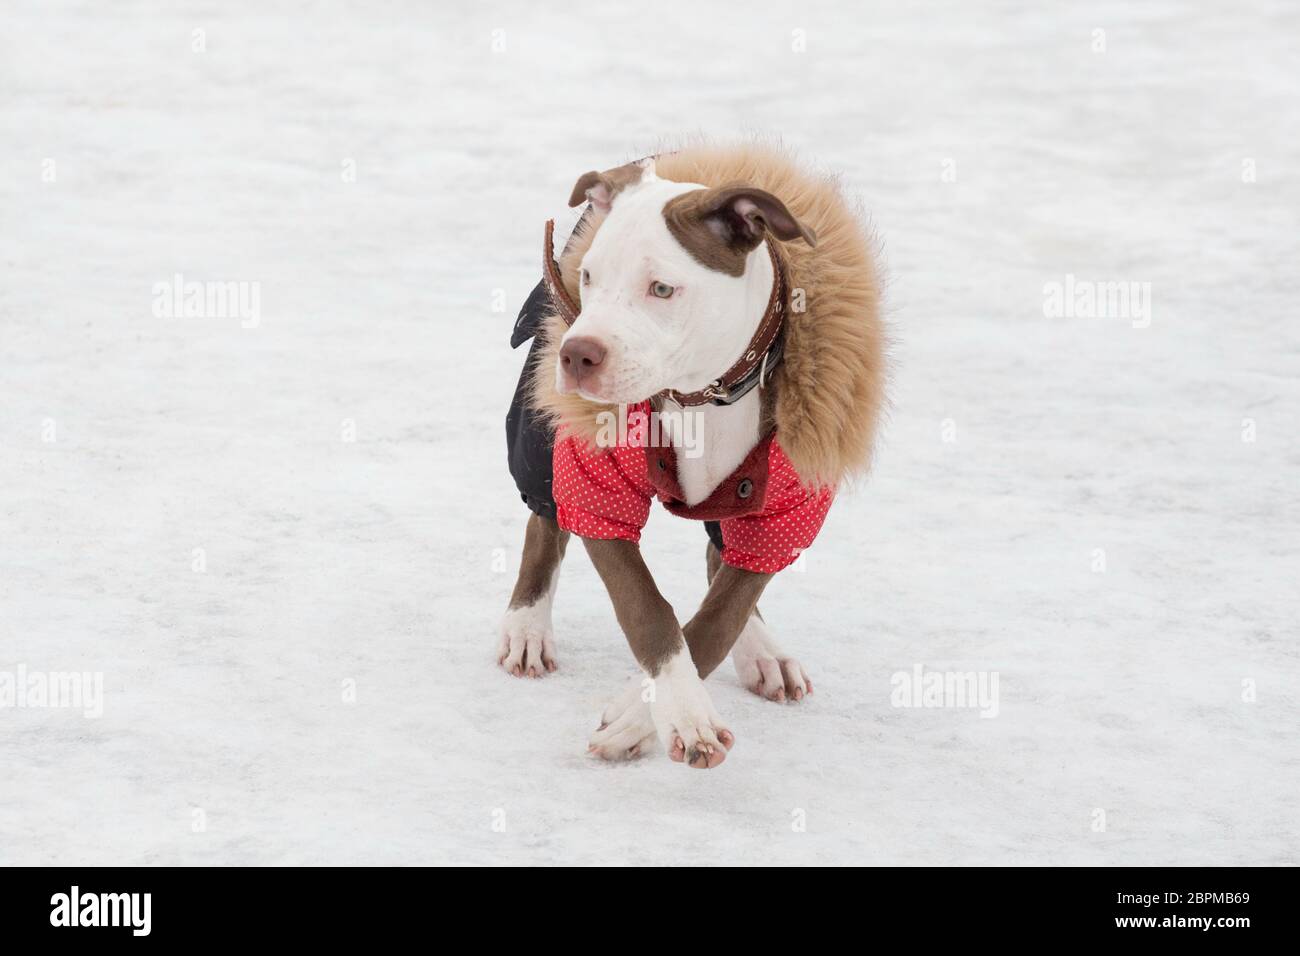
[{"x": 673, "y": 285}]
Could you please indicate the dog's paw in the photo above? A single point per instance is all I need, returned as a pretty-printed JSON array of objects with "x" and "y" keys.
[
  {"x": 684, "y": 716},
  {"x": 627, "y": 729},
  {"x": 527, "y": 647},
  {"x": 764, "y": 669}
]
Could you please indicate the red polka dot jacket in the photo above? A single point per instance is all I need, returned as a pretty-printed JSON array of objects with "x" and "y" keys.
[{"x": 766, "y": 514}]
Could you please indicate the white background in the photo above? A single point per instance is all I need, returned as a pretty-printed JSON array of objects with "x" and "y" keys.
[{"x": 388, "y": 561}]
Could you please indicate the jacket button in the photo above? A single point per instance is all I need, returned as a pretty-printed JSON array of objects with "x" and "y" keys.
[{"x": 745, "y": 488}]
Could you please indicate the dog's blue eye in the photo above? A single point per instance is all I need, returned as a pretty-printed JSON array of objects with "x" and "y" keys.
[{"x": 661, "y": 290}]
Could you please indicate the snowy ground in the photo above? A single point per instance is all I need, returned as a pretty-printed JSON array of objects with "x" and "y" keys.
[{"x": 1022, "y": 453}]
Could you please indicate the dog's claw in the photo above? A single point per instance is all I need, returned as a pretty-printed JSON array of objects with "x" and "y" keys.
[
  {"x": 778, "y": 679},
  {"x": 527, "y": 648},
  {"x": 626, "y": 730}
]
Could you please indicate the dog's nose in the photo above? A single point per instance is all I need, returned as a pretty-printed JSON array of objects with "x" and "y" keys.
[{"x": 581, "y": 353}]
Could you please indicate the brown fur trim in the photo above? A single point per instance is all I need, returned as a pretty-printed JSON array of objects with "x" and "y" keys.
[{"x": 829, "y": 391}]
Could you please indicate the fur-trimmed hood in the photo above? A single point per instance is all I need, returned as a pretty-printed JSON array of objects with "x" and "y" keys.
[{"x": 828, "y": 394}]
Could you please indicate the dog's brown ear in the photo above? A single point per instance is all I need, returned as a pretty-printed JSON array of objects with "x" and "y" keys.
[
  {"x": 721, "y": 226},
  {"x": 600, "y": 188},
  {"x": 742, "y": 214}
]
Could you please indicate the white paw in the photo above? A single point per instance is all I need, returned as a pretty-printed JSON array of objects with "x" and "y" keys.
[
  {"x": 764, "y": 668},
  {"x": 626, "y": 728},
  {"x": 684, "y": 716},
  {"x": 527, "y": 647}
]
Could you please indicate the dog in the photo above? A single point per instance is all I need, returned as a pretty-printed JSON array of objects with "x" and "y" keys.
[{"x": 724, "y": 288}]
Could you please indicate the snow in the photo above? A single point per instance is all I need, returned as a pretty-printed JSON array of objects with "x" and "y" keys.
[{"x": 383, "y": 564}]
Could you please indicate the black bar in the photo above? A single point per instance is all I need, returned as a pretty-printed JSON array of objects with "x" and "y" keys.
[{"x": 335, "y": 906}]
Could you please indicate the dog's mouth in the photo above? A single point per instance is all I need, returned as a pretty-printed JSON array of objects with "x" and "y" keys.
[
  {"x": 593, "y": 396},
  {"x": 596, "y": 392},
  {"x": 600, "y": 386}
]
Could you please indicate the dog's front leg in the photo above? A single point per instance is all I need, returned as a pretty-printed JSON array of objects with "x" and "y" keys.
[
  {"x": 527, "y": 645},
  {"x": 731, "y": 602},
  {"x": 732, "y": 597},
  {"x": 761, "y": 665},
  {"x": 679, "y": 707}
]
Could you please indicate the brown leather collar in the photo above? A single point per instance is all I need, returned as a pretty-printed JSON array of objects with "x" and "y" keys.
[{"x": 759, "y": 358}]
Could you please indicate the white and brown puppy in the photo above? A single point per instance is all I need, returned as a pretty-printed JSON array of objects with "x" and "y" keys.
[{"x": 674, "y": 277}]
